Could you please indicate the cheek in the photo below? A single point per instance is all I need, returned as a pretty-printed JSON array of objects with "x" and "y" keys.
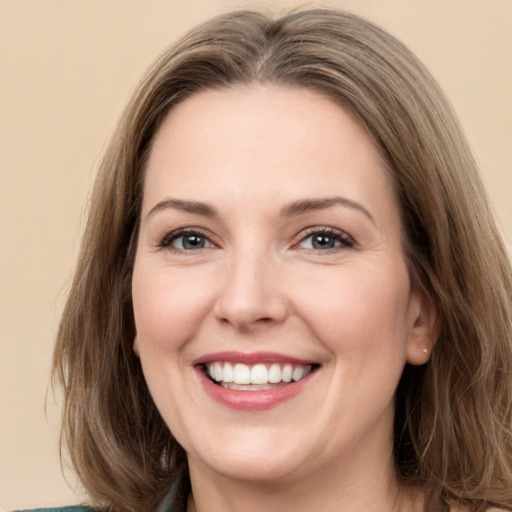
[
  {"x": 168, "y": 310},
  {"x": 359, "y": 310},
  {"x": 168, "y": 306}
]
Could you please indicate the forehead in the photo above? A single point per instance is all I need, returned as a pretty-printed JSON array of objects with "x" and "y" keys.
[{"x": 276, "y": 140}]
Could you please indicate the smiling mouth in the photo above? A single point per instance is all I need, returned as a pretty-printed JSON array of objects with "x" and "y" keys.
[{"x": 256, "y": 377}]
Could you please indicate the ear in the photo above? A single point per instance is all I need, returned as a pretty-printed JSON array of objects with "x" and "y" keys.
[{"x": 423, "y": 329}]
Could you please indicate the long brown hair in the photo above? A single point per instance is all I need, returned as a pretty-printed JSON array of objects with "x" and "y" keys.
[{"x": 453, "y": 415}]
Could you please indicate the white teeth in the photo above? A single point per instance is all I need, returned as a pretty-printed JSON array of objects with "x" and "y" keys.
[
  {"x": 274, "y": 374},
  {"x": 247, "y": 387},
  {"x": 242, "y": 374},
  {"x": 286, "y": 374},
  {"x": 228, "y": 375},
  {"x": 298, "y": 373},
  {"x": 258, "y": 375},
  {"x": 218, "y": 372}
]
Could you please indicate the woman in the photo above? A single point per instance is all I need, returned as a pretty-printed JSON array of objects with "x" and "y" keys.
[{"x": 291, "y": 292}]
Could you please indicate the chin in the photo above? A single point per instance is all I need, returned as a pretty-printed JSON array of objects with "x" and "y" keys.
[
  {"x": 255, "y": 469},
  {"x": 264, "y": 459}
]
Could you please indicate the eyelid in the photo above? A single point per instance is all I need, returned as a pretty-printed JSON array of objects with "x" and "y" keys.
[
  {"x": 166, "y": 241},
  {"x": 346, "y": 240}
]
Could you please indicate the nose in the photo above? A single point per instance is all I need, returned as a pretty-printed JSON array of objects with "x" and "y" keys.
[{"x": 251, "y": 296}]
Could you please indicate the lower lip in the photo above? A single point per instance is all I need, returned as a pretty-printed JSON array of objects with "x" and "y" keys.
[{"x": 253, "y": 400}]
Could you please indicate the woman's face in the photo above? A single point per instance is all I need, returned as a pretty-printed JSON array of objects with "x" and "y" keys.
[{"x": 272, "y": 301}]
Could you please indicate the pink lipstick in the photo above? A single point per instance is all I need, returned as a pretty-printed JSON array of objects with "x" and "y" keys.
[{"x": 255, "y": 381}]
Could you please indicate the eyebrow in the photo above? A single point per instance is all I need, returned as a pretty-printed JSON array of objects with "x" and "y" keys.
[
  {"x": 293, "y": 209},
  {"x": 186, "y": 206},
  {"x": 307, "y": 205}
]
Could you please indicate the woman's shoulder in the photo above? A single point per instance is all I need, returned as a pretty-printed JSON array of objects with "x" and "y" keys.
[{"x": 73, "y": 508}]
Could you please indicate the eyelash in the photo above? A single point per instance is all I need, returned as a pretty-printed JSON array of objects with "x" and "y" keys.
[
  {"x": 345, "y": 240},
  {"x": 169, "y": 238}
]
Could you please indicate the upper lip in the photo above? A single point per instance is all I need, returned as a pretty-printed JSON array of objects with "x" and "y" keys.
[{"x": 250, "y": 358}]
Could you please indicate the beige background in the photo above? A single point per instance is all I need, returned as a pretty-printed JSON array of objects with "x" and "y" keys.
[{"x": 66, "y": 69}]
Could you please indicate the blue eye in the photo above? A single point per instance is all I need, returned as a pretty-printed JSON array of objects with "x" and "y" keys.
[
  {"x": 186, "y": 241},
  {"x": 325, "y": 240}
]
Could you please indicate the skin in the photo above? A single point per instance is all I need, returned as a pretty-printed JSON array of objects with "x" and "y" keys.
[{"x": 259, "y": 284}]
